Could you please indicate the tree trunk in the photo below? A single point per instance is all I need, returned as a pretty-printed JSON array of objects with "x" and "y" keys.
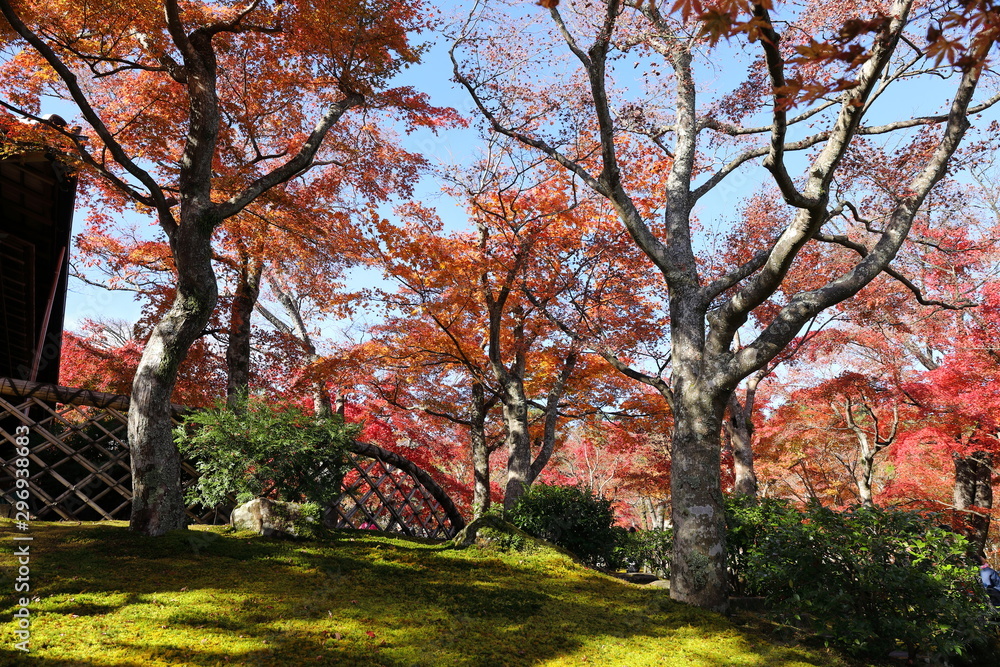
[
  {"x": 867, "y": 464},
  {"x": 739, "y": 428},
  {"x": 157, "y": 500},
  {"x": 661, "y": 514},
  {"x": 480, "y": 452},
  {"x": 515, "y": 413},
  {"x": 238, "y": 349},
  {"x": 521, "y": 469},
  {"x": 740, "y": 431},
  {"x": 654, "y": 515},
  {"x": 698, "y": 572},
  {"x": 745, "y": 483},
  {"x": 973, "y": 489},
  {"x": 868, "y": 447},
  {"x": 548, "y": 442}
]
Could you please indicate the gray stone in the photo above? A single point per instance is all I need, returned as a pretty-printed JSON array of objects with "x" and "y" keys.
[{"x": 274, "y": 518}]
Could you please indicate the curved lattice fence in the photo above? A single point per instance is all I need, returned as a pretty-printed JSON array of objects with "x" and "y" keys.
[
  {"x": 379, "y": 496},
  {"x": 79, "y": 468}
]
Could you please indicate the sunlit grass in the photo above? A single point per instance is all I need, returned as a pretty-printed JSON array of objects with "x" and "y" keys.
[{"x": 213, "y": 597}]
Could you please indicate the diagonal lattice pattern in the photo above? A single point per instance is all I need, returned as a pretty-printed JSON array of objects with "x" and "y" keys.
[
  {"x": 379, "y": 496},
  {"x": 79, "y": 461}
]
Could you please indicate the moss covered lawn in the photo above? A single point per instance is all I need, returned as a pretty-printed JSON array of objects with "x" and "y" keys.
[{"x": 103, "y": 596}]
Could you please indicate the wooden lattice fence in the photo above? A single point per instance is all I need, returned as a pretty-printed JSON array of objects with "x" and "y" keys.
[
  {"x": 80, "y": 469},
  {"x": 376, "y": 496}
]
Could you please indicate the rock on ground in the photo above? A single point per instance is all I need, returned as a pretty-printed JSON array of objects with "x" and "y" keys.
[{"x": 273, "y": 518}]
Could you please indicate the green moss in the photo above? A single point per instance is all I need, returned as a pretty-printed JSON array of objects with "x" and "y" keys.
[{"x": 209, "y": 596}]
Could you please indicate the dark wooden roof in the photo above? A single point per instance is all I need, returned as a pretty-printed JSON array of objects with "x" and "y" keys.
[{"x": 36, "y": 213}]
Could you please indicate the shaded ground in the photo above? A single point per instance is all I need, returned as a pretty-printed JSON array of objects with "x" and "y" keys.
[{"x": 104, "y": 596}]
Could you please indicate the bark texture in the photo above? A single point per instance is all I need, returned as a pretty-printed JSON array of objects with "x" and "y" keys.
[
  {"x": 238, "y": 347},
  {"x": 480, "y": 452},
  {"x": 739, "y": 430},
  {"x": 973, "y": 495},
  {"x": 698, "y": 570},
  {"x": 157, "y": 500}
]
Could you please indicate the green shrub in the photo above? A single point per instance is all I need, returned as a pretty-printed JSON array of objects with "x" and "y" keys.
[
  {"x": 748, "y": 521},
  {"x": 264, "y": 449},
  {"x": 569, "y": 516},
  {"x": 870, "y": 580}
]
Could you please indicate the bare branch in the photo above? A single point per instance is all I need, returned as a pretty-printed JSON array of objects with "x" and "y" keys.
[{"x": 843, "y": 241}]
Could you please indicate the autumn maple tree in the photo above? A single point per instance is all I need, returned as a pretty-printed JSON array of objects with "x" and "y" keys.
[
  {"x": 104, "y": 355},
  {"x": 468, "y": 310},
  {"x": 193, "y": 113},
  {"x": 621, "y": 91}
]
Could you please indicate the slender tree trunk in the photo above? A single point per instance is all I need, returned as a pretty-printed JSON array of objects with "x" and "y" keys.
[
  {"x": 321, "y": 401},
  {"x": 868, "y": 446},
  {"x": 661, "y": 515},
  {"x": 867, "y": 464},
  {"x": 647, "y": 511},
  {"x": 974, "y": 489},
  {"x": 654, "y": 514},
  {"x": 238, "y": 349},
  {"x": 548, "y": 443},
  {"x": 866, "y": 461},
  {"x": 745, "y": 483},
  {"x": 480, "y": 452},
  {"x": 739, "y": 429},
  {"x": 521, "y": 469},
  {"x": 157, "y": 501}
]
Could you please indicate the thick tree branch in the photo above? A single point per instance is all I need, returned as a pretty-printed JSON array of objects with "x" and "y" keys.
[
  {"x": 775, "y": 161},
  {"x": 301, "y": 162},
  {"x": 810, "y": 218},
  {"x": 807, "y": 304},
  {"x": 843, "y": 241}
]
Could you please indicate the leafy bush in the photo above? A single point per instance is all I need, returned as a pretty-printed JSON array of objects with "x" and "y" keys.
[
  {"x": 748, "y": 521},
  {"x": 648, "y": 550},
  {"x": 569, "y": 516},
  {"x": 264, "y": 449},
  {"x": 870, "y": 580}
]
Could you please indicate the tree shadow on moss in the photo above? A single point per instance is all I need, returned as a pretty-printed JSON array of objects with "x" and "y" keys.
[{"x": 359, "y": 603}]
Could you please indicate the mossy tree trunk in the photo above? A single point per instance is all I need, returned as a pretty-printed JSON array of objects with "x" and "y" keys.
[{"x": 157, "y": 502}]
